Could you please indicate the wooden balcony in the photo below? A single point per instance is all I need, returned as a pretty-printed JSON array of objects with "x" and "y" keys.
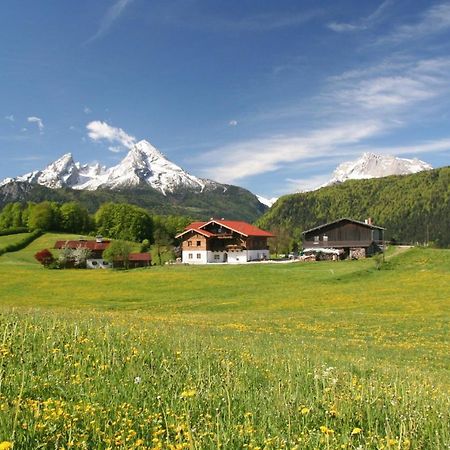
[{"x": 340, "y": 244}]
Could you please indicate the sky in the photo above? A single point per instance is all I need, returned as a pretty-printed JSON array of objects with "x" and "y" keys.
[{"x": 268, "y": 95}]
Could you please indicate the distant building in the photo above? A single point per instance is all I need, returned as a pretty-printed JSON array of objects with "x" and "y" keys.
[
  {"x": 97, "y": 247},
  {"x": 223, "y": 241},
  {"x": 348, "y": 237}
]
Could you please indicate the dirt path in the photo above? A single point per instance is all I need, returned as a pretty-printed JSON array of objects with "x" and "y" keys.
[{"x": 398, "y": 249}]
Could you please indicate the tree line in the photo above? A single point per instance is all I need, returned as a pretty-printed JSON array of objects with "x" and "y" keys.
[
  {"x": 413, "y": 208},
  {"x": 121, "y": 221}
]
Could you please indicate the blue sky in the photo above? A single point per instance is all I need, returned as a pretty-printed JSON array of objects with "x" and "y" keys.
[{"x": 269, "y": 95}]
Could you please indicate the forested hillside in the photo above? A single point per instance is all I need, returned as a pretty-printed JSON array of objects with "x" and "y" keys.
[
  {"x": 227, "y": 201},
  {"x": 412, "y": 208}
]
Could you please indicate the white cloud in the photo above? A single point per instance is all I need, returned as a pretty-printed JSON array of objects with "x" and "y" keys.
[
  {"x": 433, "y": 146},
  {"x": 355, "y": 107},
  {"x": 308, "y": 183},
  {"x": 233, "y": 123},
  {"x": 435, "y": 20},
  {"x": 10, "y": 118},
  {"x": 38, "y": 121},
  {"x": 244, "y": 159},
  {"x": 115, "y": 149},
  {"x": 113, "y": 14},
  {"x": 362, "y": 24},
  {"x": 101, "y": 131}
]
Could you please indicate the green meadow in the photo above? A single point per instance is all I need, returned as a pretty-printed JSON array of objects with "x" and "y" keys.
[
  {"x": 329, "y": 355},
  {"x": 12, "y": 239}
]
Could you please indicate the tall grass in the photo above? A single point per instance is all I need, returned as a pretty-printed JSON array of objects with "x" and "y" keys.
[
  {"x": 307, "y": 356},
  {"x": 130, "y": 381}
]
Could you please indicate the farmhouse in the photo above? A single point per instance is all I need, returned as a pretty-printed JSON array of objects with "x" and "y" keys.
[
  {"x": 345, "y": 238},
  {"x": 223, "y": 241},
  {"x": 97, "y": 247}
]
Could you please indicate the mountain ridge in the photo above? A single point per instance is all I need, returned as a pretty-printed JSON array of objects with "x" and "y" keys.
[
  {"x": 144, "y": 164},
  {"x": 372, "y": 165}
]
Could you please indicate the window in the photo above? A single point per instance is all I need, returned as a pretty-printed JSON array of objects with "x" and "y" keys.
[
  {"x": 190, "y": 255},
  {"x": 325, "y": 238},
  {"x": 94, "y": 263},
  {"x": 316, "y": 239},
  {"x": 216, "y": 257},
  {"x": 199, "y": 256},
  {"x": 199, "y": 243},
  {"x": 189, "y": 243}
]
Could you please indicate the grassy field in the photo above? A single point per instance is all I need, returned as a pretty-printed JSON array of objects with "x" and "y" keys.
[
  {"x": 11, "y": 239},
  {"x": 309, "y": 356}
]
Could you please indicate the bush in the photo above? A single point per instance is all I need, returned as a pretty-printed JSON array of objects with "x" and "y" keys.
[
  {"x": 21, "y": 244},
  {"x": 16, "y": 230},
  {"x": 45, "y": 257}
]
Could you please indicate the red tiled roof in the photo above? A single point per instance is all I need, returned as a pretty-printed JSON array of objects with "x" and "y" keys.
[
  {"x": 235, "y": 225},
  {"x": 91, "y": 245},
  {"x": 195, "y": 230},
  {"x": 244, "y": 228},
  {"x": 139, "y": 257}
]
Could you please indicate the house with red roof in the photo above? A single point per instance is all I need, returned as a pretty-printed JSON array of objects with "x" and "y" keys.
[
  {"x": 97, "y": 247},
  {"x": 223, "y": 241}
]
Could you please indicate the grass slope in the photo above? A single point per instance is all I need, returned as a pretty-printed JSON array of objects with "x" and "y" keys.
[
  {"x": 12, "y": 239},
  {"x": 320, "y": 355}
]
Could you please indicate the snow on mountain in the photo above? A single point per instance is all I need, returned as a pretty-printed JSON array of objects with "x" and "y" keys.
[
  {"x": 371, "y": 165},
  {"x": 266, "y": 201},
  {"x": 143, "y": 165}
]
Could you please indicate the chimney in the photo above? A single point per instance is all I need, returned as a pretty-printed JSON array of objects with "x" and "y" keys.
[
  {"x": 369, "y": 220},
  {"x": 366, "y": 221}
]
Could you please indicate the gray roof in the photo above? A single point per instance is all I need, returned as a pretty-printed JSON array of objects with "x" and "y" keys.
[{"x": 342, "y": 220}]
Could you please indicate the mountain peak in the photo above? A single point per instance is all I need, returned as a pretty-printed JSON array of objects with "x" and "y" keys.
[{"x": 374, "y": 165}]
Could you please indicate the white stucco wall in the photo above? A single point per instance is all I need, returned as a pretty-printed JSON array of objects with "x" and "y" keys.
[
  {"x": 231, "y": 257},
  {"x": 97, "y": 264},
  {"x": 212, "y": 257},
  {"x": 203, "y": 259},
  {"x": 257, "y": 255},
  {"x": 237, "y": 257}
]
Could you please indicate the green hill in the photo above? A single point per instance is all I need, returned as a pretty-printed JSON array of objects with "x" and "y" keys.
[
  {"x": 413, "y": 208},
  {"x": 228, "y": 201}
]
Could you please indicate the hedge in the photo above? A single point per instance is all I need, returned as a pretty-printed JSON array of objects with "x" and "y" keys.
[
  {"x": 16, "y": 230},
  {"x": 27, "y": 240}
]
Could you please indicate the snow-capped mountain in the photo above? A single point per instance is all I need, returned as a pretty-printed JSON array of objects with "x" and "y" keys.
[
  {"x": 143, "y": 165},
  {"x": 267, "y": 201},
  {"x": 64, "y": 172},
  {"x": 371, "y": 165}
]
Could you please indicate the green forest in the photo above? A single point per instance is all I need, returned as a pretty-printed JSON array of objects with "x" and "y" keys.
[
  {"x": 413, "y": 208},
  {"x": 114, "y": 220},
  {"x": 219, "y": 201}
]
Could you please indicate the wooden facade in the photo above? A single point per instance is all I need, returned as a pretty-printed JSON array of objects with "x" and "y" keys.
[
  {"x": 223, "y": 241},
  {"x": 346, "y": 234}
]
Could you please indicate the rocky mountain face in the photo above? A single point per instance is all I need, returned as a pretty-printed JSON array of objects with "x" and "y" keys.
[
  {"x": 144, "y": 177},
  {"x": 144, "y": 165},
  {"x": 371, "y": 165}
]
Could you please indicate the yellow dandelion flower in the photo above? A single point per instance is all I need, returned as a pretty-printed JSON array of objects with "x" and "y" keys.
[
  {"x": 304, "y": 411},
  {"x": 188, "y": 393},
  {"x": 6, "y": 445},
  {"x": 325, "y": 430},
  {"x": 356, "y": 430}
]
